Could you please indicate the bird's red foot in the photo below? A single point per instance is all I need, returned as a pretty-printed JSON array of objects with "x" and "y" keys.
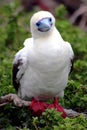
[
  {"x": 56, "y": 106},
  {"x": 38, "y": 107}
]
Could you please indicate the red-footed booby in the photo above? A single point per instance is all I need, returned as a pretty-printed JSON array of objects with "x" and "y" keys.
[{"x": 42, "y": 67}]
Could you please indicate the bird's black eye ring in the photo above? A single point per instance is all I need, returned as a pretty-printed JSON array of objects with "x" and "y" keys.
[
  {"x": 38, "y": 23},
  {"x": 50, "y": 19}
]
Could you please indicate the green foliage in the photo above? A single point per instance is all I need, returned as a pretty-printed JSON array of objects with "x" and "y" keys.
[
  {"x": 52, "y": 120},
  {"x": 61, "y": 12},
  {"x": 12, "y": 117},
  {"x": 13, "y": 31}
]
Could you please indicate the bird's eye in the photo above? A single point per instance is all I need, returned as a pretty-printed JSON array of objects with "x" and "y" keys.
[
  {"x": 50, "y": 19},
  {"x": 38, "y": 23}
]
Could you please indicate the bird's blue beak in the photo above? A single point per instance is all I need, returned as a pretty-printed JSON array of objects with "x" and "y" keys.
[{"x": 44, "y": 24}]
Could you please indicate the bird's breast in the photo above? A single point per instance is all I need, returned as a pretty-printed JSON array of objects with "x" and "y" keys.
[
  {"x": 47, "y": 73},
  {"x": 49, "y": 59}
]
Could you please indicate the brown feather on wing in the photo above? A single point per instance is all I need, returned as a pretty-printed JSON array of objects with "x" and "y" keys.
[
  {"x": 72, "y": 64},
  {"x": 16, "y": 82}
]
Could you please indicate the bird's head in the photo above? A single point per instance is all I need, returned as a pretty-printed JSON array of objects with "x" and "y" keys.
[{"x": 42, "y": 24}]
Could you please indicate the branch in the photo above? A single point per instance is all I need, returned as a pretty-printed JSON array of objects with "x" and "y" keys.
[
  {"x": 71, "y": 113},
  {"x": 17, "y": 101},
  {"x": 13, "y": 98},
  {"x": 82, "y": 11},
  {"x": 77, "y": 13}
]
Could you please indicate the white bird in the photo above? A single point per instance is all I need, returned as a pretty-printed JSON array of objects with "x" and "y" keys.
[{"x": 42, "y": 67}]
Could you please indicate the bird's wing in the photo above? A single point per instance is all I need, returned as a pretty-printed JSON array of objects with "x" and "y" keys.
[
  {"x": 20, "y": 64},
  {"x": 72, "y": 64},
  {"x": 71, "y": 56}
]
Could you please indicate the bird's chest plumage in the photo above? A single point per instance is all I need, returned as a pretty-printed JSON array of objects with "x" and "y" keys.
[
  {"x": 47, "y": 72},
  {"x": 50, "y": 59}
]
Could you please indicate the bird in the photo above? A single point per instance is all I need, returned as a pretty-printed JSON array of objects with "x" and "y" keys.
[{"x": 41, "y": 68}]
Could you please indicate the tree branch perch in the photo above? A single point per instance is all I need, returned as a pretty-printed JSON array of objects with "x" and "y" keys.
[
  {"x": 13, "y": 98},
  {"x": 17, "y": 101}
]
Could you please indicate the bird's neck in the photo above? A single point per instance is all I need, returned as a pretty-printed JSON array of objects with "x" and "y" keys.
[
  {"x": 49, "y": 42},
  {"x": 53, "y": 34}
]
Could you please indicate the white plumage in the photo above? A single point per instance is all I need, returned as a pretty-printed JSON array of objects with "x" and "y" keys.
[{"x": 41, "y": 68}]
